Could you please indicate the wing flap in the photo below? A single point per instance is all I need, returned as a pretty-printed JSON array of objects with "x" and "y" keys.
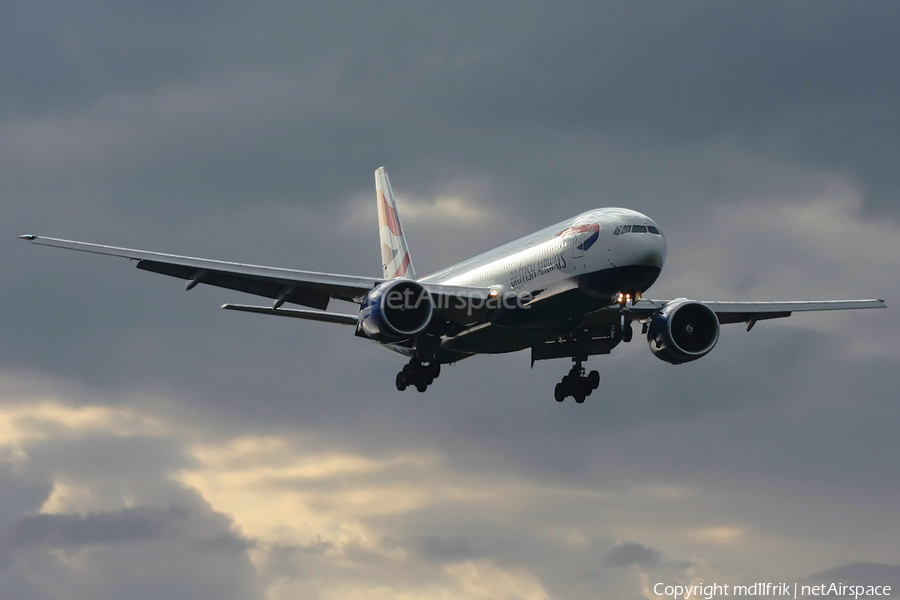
[
  {"x": 749, "y": 317},
  {"x": 285, "y": 289},
  {"x": 310, "y": 315}
]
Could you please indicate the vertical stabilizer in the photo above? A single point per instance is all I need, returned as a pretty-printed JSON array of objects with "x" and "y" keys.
[{"x": 395, "y": 259}]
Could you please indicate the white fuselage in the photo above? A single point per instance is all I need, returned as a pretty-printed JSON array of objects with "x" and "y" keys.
[
  {"x": 563, "y": 251},
  {"x": 573, "y": 268}
]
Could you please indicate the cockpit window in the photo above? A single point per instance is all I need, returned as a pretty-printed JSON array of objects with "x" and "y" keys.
[{"x": 636, "y": 229}]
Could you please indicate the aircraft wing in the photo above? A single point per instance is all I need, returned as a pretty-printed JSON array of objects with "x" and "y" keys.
[
  {"x": 460, "y": 304},
  {"x": 745, "y": 312},
  {"x": 283, "y": 285}
]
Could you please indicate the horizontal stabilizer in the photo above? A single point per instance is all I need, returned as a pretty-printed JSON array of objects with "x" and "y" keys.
[{"x": 297, "y": 313}]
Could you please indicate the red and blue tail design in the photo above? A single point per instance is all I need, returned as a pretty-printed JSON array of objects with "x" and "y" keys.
[{"x": 395, "y": 259}]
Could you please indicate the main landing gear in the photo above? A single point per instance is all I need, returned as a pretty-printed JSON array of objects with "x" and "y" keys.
[
  {"x": 576, "y": 384},
  {"x": 418, "y": 374}
]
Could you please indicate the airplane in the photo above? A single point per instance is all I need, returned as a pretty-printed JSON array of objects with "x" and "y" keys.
[{"x": 571, "y": 290}]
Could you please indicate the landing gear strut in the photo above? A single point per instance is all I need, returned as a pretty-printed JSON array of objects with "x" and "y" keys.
[
  {"x": 418, "y": 374},
  {"x": 577, "y": 384}
]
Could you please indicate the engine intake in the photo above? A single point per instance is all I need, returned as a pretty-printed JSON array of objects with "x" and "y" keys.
[
  {"x": 682, "y": 331},
  {"x": 395, "y": 311}
]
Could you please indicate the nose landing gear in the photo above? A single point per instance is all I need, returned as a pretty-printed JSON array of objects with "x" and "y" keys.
[
  {"x": 577, "y": 384},
  {"x": 418, "y": 374}
]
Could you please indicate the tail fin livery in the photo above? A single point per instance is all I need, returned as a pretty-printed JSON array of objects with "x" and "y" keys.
[{"x": 395, "y": 259}]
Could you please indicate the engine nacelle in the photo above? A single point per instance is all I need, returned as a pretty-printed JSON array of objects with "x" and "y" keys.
[
  {"x": 682, "y": 331},
  {"x": 395, "y": 311}
]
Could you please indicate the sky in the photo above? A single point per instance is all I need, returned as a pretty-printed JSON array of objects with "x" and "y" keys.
[{"x": 152, "y": 445}]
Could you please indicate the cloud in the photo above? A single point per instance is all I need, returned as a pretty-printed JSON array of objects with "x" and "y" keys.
[
  {"x": 861, "y": 573},
  {"x": 73, "y": 530},
  {"x": 445, "y": 208},
  {"x": 484, "y": 580},
  {"x": 718, "y": 535},
  {"x": 445, "y": 549},
  {"x": 632, "y": 553}
]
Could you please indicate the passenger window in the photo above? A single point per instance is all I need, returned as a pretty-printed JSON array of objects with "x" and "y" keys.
[
  {"x": 639, "y": 229},
  {"x": 626, "y": 228},
  {"x": 618, "y": 230},
  {"x": 652, "y": 229}
]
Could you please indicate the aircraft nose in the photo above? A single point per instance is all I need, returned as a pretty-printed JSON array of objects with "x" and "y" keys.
[
  {"x": 651, "y": 257},
  {"x": 661, "y": 251},
  {"x": 657, "y": 255},
  {"x": 652, "y": 252}
]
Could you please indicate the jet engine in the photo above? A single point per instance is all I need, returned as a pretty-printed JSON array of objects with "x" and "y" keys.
[
  {"x": 395, "y": 311},
  {"x": 682, "y": 331}
]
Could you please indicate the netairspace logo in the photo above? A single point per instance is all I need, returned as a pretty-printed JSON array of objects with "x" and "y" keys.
[{"x": 784, "y": 590}]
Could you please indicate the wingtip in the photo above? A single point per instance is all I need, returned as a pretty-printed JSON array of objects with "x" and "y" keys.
[{"x": 28, "y": 236}]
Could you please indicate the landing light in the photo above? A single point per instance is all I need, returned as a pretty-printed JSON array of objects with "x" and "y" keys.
[{"x": 624, "y": 298}]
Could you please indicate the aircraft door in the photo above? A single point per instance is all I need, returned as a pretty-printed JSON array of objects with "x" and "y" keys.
[
  {"x": 578, "y": 244},
  {"x": 585, "y": 235}
]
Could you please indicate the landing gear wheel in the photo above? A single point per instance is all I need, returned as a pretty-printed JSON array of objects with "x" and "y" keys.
[
  {"x": 576, "y": 383},
  {"x": 627, "y": 333},
  {"x": 418, "y": 375},
  {"x": 559, "y": 392}
]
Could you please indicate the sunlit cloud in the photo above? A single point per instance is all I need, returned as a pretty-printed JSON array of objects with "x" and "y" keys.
[
  {"x": 453, "y": 211},
  {"x": 50, "y": 418},
  {"x": 717, "y": 535},
  {"x": 484, "y": 580},
  {"x": 451, "y": 208}
]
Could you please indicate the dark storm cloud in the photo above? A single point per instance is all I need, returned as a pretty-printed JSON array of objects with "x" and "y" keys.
[
  {"x": 20, "y": 494},
  {"x": 632, "y": 553},
  {"x": 445, "y": 549},
  {"x": 73, "y": 530},
  {"x": 176, "y": 548},
  {"x": 474, "y": 77}
]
